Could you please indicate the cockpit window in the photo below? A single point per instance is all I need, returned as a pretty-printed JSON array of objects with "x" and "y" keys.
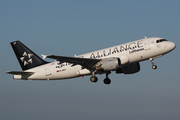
[{"x": 161, "y": 40}]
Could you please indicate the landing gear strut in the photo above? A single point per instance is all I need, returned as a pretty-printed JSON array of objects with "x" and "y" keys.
[
  {"x": 107, "y": 81},
  {"x": 152, "y": 62}
]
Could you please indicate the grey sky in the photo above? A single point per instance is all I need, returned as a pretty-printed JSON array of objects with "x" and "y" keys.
[{"x": 76, "y": 27}]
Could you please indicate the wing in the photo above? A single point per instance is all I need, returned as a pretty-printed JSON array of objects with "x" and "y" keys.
[
  {"x": 20, "y": 73},
  {"x": 85, "y": 62}
]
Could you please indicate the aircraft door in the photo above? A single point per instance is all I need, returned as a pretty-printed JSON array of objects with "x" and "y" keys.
[
  {"x": 47, "y": 70},
  {"x": 146, "y": 44}
]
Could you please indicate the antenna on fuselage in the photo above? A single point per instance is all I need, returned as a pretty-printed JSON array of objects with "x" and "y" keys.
[{"x": 145, "y": 37}]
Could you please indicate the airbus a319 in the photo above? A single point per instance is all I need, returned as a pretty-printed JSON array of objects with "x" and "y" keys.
[{"x": 122, "y": 58}]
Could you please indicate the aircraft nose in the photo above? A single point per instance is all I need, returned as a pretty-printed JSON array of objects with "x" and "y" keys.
[{"x": 172, "y": 45}]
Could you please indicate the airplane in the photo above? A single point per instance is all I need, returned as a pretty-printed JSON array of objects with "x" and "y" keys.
[{"x": 122, "y": 58}]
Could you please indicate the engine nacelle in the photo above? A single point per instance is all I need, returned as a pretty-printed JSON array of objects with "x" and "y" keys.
[
  {"x": 130, "y": 69},
  {"x": 109, "y": 64}
]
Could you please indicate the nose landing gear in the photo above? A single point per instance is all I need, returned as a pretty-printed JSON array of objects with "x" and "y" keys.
[{"x": 152, "y": 62}]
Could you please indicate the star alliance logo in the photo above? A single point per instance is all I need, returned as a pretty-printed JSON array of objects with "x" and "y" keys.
[{"x": 27, "y": 58}]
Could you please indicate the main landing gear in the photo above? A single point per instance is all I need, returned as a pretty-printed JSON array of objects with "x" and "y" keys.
[
  {"x": 94, "y": 79},
  {"x": 107, "y": 81},
  {"x": 152, "y": 62}
]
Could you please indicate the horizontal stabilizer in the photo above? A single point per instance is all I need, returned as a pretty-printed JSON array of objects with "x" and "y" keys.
[
  {"x": 44, "y": 56},
  {"x": 20, "y": 73}
]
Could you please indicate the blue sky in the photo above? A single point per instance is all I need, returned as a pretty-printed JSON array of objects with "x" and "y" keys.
[{"x": 76, "y": 27}]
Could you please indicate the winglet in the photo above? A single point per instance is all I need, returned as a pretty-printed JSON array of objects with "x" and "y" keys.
[{"x": 44, "y": 56}]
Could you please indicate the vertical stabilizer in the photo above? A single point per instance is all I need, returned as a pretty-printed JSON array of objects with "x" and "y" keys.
[{"x": 27, "y": 58}]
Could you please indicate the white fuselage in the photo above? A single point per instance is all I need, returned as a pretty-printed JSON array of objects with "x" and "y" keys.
[{"x": 131, "y": 52}]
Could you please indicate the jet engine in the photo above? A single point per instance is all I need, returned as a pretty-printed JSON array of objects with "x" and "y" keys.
[
  {"x": 130, "y": 69},
  {"x": 109, "y": 64}
]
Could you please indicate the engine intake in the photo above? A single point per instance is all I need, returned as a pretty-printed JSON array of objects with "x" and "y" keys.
[{"x": 130, "y": 69}]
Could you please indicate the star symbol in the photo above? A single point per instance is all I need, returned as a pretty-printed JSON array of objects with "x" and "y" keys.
[{"x": 27, "y": 58}]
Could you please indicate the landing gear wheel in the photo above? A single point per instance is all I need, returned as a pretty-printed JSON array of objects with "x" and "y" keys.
[
  {"x": 154, "y": 67},
  {"x": 107, "y": 81},
  {"x": 152, "y": 62},
  {"x": 94, "y": 79}
]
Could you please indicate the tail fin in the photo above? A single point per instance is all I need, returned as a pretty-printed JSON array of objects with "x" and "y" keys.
[{"x": 27, "y": 58}]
